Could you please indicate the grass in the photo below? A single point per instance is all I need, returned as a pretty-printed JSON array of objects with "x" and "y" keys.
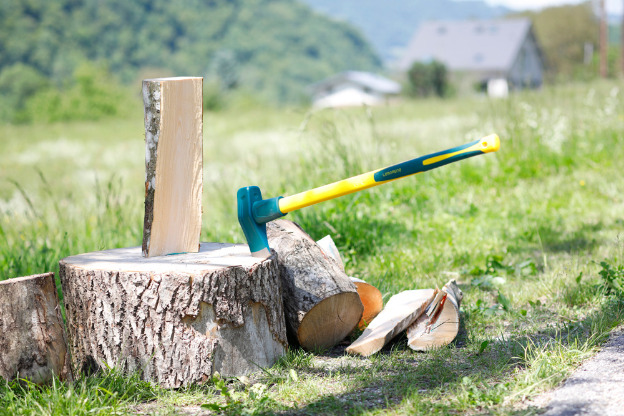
[{"x": 532, "y": 233}]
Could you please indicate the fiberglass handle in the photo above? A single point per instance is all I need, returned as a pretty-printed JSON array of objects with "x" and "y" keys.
[{"x": 487, "y": 144}]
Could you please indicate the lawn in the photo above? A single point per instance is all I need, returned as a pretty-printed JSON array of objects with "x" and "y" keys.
[{"x": 533, "y": 234}]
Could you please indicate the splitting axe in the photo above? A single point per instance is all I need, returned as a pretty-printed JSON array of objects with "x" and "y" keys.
[{"x": 254, "y": 212}]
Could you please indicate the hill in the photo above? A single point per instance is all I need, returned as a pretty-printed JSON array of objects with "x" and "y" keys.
[
  {"x": 389, "y": 25},
  {"x": 276, "y": 47}
]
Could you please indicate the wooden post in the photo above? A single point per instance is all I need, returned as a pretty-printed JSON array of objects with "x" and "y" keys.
[
  {"x": 173, "y": 165},
  {"x": 321, "y": 304},
  {"x": 32, "y": 338},
  {"x": 176, "y": 319}
]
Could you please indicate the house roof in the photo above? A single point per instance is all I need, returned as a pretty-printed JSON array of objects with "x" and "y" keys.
[
  {"x": 474, "y": 45},
  {"x": 365, "y": 79}
]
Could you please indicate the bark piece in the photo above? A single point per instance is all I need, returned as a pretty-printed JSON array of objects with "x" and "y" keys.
[
  {"x": 401, "y": 310},
  {"x": 177, "y": 318},
  {"x": 438, "y": 329},
  {"x": 369, "y": 295},
  {"x": 173, "y": 165},
  {"x": 321, "y": 303},
  {"x": 32, "y": 337}
]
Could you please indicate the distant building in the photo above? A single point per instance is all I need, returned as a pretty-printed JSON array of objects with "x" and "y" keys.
[
  {"x": 480, "y": 52},
  {"x": 353, "y": 88}
]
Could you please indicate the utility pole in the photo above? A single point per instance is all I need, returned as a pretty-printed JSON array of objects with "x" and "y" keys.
[
  {"x": 622, "y": 42},
  {"x": 603, "y": 39}
]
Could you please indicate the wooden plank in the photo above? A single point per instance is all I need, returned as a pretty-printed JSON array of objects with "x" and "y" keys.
[{"x": 173, "y": 165}]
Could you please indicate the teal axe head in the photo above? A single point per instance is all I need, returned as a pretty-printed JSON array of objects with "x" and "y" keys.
[{"x": 253, "y": 214}]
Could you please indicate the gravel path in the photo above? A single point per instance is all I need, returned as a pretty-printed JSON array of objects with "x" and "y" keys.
[{"x": 597, "y": 387}]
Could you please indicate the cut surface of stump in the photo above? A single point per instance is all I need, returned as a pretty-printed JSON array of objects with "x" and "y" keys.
[
  {"x": 173, "y": 165},
  {"x": 401, "y": 310},
  {"x": 321, "y": 303},
  {"x": 32, "y": 337},
  {"x": 440, "y": 327},
  {"x": 177, "y": 318}
]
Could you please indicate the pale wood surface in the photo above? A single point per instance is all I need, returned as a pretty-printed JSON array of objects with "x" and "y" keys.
[
  {"x": 425, "y": 334},
  {"x": 173, "y": 165},
  {"x": 321, "y": 303},
  {"x": 401, "y": 310},
  {"x": 176, "y": 318},
  {"x": 32, "y": 337}
]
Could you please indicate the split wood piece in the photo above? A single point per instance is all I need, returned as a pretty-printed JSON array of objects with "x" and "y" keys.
[
  {"x": 401, "y": 310},
  {"x": 441, "y": 327},
  {"x": 321, "y": 303},
  {"x": 175, "y": 319},
  {"x": 369, "y": 295},
  {"x": 173, "y": 165},
  {"x": 32, "y": 338},
  {"x": 371, "y": 299}
]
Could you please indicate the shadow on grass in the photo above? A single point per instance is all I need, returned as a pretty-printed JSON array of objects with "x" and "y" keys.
[{"x": 396, "y": 375}]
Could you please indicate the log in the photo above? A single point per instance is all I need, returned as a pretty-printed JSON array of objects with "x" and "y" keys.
[
  {"x": 173, "y": 165},
  {"x": 371, "y": 297},
  {"x": 438, "y": 329},
  {"x": 401, "y": 310},
  {"x": 32, "y": 338},
  {"x": 321, "y": 304},
  {"x": 177, "y": 319}
]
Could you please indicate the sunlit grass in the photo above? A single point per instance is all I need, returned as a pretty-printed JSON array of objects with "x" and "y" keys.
[{"x": 523, "y": 231}]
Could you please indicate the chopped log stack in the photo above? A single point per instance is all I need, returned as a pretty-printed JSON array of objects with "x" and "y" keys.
[{"x": 32, "y": 337}]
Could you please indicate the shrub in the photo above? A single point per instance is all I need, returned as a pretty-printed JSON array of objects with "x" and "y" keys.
[{"x": 428, "y": 79}]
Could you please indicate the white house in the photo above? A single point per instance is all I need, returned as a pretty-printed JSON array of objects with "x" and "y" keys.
[
  {"x": 480, "y": 51},
  {"x": 353, "y": 88}
]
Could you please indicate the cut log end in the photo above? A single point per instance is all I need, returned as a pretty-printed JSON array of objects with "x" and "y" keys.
[{"x": 330, "y": 321}]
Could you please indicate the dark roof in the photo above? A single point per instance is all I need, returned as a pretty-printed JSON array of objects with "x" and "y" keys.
[
  {"x": 474, "y": 45},
  {"x": 366, "y": 79}
]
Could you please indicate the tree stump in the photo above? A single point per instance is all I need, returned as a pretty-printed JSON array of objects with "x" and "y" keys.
[
  {"x": 32, "y": 338},
  {"x": 321, "y": 303},
  {"x": 176, "y": 319}
]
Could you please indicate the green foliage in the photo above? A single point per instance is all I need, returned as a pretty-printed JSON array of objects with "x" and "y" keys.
[
  {"x": 426, "y": 79},
  {"x": 106, "y": 393},
  {"x": 562, "y": 33},
  {"x": 272, "y": 47},
  {"x": 612, "y": 278},
  {"x": 253, "y": 400},
  {"x": 90, "y": 94}
]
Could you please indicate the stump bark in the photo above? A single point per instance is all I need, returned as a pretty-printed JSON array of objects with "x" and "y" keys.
[
  {"x": 321, "y": 303},
  {"x": 32, "y": 337},
  {"x": 177, "y": 318}
]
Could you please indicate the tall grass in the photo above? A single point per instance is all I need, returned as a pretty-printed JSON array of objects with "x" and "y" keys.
[{"x": 523, "y": 230}]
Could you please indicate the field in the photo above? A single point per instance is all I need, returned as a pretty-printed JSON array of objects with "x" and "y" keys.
[{"x": 533, "y": 233}]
